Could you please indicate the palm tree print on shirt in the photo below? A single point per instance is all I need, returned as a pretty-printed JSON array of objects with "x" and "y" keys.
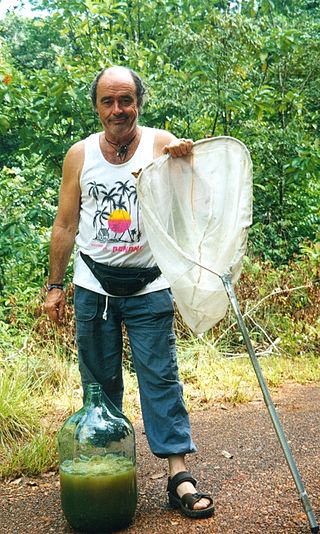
[{"x": 112, "y": 220}]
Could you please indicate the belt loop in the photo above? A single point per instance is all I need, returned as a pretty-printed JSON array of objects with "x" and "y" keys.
[{"x": 105, "y": 311}]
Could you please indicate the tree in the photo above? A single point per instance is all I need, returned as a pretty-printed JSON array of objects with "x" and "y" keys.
[{"x": 247, "y": 69}]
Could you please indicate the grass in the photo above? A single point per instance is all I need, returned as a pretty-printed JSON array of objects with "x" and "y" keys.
[
  {"x": 213, "y": 378},
  {"x": 39, "y": 378},
  {"x": 19, "y": 413},
  {"x": 31, "y": 457}
]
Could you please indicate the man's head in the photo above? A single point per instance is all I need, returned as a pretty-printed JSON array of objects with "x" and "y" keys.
[
  {"x": 139, "y": 85},
  {"x": 117, "y": 95}
]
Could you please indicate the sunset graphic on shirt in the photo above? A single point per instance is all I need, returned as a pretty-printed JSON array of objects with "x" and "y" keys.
[
  {"x": 117, "y": 216},
  {"x": 119, "y": 221}
]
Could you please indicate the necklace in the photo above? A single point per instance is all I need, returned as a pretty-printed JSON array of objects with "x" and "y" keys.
[{"x": 122, "y": 150}]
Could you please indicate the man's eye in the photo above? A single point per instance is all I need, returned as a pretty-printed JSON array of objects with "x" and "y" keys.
[{"x": 127, "y": 100}]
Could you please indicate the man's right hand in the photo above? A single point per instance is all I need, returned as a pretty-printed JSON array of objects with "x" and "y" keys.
[{"x": 55, "y": 305}]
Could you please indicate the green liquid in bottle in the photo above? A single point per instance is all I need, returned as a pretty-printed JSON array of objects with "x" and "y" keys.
[{"x": 98, "y": 494}]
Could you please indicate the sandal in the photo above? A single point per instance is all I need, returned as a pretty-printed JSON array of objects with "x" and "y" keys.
[{"x": 187, "y": 501}]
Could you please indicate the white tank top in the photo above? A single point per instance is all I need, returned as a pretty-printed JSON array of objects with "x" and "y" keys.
[{"x": 110, "y": 227}]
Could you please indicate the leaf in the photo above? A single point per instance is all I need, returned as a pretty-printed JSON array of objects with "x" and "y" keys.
[
  {"x": 158, "y": 475},
  {"x": 16, "y": 482},
  {"x": 227, "y": 454},
  {"x": 4, "y": 124}
]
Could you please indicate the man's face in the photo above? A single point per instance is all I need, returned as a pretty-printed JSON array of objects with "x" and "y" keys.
[{"x": 117, "y": 103}]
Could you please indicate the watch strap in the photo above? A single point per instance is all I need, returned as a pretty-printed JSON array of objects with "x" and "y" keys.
[{"x": 55, "y": 286}]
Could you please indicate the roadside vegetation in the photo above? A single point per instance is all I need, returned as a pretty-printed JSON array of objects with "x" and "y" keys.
[{"x": 39, "y": 379}]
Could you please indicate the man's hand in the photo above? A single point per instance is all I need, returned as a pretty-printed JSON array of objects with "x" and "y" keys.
[
  {"x": 55, "y": 305},
  {"x": 178, "y": 147}
]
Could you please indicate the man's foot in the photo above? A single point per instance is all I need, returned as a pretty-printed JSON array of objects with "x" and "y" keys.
[
  {"x": 183, "y": 494},
  {"x": 187, "y": 487}
]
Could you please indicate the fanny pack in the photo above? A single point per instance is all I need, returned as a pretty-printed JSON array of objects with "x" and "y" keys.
[{"x": 121, "y": 281}]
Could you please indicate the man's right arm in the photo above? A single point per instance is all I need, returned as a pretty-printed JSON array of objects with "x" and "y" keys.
[{"x": 64, "y": 229}]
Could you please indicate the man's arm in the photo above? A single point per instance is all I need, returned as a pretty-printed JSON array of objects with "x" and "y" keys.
[
  {"x": 64, "y": 229},
  {"x": 167, "y": 143}
]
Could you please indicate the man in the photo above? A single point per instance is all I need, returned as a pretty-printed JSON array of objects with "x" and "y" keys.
[{"x": 98, "y": 210}]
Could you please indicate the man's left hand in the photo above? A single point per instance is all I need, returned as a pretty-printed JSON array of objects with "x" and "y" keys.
[{"x": 178, "y": 147}]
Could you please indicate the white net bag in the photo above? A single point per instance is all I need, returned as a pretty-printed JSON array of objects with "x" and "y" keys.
[{"x": 196, "y": 212}]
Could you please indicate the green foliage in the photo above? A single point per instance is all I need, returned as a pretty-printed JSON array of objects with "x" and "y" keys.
[
  {"x": 26, "y": 214},
  {"x": 281, "y": 308},
  {"x": 245, "y": 69}
]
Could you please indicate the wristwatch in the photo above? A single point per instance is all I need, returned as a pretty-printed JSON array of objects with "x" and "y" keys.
[{"x": 55, "y": 286}]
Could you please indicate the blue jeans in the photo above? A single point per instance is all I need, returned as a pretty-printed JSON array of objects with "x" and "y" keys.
[{"x": 149, "y": 323}]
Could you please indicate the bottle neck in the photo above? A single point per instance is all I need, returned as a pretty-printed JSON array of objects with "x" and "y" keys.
[{"x": 93, "y": 395}]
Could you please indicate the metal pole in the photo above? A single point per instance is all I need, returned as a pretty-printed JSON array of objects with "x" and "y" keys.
[{"x": 226, "y": 279}]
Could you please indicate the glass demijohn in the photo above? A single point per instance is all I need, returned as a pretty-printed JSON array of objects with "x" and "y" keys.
[{"x": 97, "y": 466}]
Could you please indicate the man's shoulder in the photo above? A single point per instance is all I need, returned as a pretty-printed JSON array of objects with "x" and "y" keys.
[
  {"x": 162, "y": 138},
  {"x": 78, "y": 147},
  {"x": 163, "y": 135},
  {"x": 74, "y": 158}
]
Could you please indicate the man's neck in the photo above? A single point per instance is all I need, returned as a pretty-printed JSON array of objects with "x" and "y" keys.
[
  {"x": 122, "y": 138},
  {"x": 120, "y": 149}
]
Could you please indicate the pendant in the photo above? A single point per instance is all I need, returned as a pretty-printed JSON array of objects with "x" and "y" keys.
[{"x": 122, "y": 151}]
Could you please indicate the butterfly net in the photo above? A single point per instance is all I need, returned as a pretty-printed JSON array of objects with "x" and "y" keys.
[{"x": 196, "y": 211}]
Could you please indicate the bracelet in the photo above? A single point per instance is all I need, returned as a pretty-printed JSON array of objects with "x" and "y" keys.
[{"x": 55, "y": 286}]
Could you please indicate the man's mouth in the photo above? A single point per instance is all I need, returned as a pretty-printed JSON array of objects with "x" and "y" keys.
[{"x": 120, "y": 118}]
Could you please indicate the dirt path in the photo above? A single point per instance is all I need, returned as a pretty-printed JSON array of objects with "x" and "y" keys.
[{"x": 253, "y": 491}]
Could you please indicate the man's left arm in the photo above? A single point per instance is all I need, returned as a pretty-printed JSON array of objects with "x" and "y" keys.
[{"x": 167, "y": 143}]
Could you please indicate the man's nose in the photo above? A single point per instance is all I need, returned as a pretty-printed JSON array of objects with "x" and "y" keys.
[{"x": 117, "y": 108}]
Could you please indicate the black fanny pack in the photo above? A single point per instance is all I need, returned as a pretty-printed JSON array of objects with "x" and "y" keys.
[{"x": 121, "y": 281}]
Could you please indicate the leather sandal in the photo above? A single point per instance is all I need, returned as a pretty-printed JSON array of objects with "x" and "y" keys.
[{"x": 188, "y": 500}]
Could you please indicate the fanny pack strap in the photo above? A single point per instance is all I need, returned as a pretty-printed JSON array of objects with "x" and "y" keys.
[{"x": 88, "y": 261}]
